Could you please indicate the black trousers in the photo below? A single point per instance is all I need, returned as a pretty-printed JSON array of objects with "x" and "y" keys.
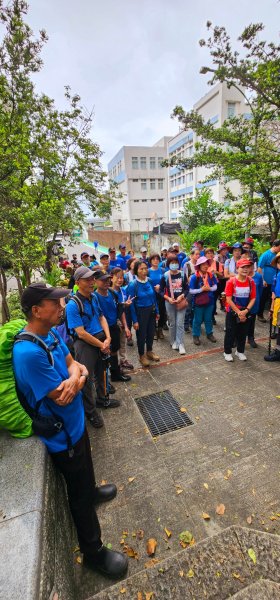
[
  {"x": 265, "y": 298},
  {"x": 251, "y": 327},
  {"x": 162, "y": 310},
  {"x": 146, "y": 332},
  {"x": 80, "y": 482},
  {"x": 90, "y": 357},
  {"x": 235, "y": 331}
]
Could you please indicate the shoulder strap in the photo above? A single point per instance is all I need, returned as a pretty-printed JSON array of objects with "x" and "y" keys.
[
  {"x": 79, "y": 303},
  {"x": 35, "y": 339},
  {"x": 114, "y": 295}
]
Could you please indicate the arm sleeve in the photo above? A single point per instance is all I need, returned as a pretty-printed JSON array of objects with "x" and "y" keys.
[
  {"x": 229, "y": 287},
  {"x": 162, "y": 286},
  {"x": 131, "y": 292},
  {"x": 74, "y": 318},
  {"x": 185, "y": 285},
  {"x": 193, "y": 289},
  {"x": 253, "y": 290},
  {"x": 41, "y": 376}
]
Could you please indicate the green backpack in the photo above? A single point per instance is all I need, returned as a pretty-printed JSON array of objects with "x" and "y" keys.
[{"x": 12, "y": 416}]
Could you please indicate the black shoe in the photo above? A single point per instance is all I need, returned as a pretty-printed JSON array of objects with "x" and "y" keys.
[
  {"x": 212, "y": 338},
  {"x": 112, "y": 389},
  {"x": 187, "y": 330},
  {"x": 105, "y": 493},
  {"x": 120, "y": 377},
  {"x": 107, "y": 403},
  {"x": 165, "y": 327},
  {"x": 214, "y": 321},
  {"x": 196, "y": 340},
  {"x": 96, "y": 420},
  {"x": 252, "y": 343},
  {"x": 109, "y": 562},
  {"x": 262, "y": 319},
  {"x": 274, "y": 356}
]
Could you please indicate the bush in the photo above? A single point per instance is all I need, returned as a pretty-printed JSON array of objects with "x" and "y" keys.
[{"x": 13, "y": 301}]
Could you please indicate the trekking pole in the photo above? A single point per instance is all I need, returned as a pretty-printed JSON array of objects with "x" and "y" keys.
[
  {"x": 270, "y": 333},
  {"x": 106, "y": 359}
]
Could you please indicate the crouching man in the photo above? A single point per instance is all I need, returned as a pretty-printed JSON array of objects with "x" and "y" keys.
[{"x": 52, "y": 382}]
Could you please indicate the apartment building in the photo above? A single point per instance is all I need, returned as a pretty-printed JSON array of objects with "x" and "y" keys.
[
  {"x": 216, "y": 106},
  {"x": 142, "y": 181}
]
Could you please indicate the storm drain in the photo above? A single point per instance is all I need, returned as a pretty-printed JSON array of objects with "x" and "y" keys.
[{"x": 162, "y": 413}]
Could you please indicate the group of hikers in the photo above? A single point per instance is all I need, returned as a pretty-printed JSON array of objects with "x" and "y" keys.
[{"x": 80, "y": 337}]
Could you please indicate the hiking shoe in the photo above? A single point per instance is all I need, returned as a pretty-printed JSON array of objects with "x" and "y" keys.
[
  {"x": 262, "y": 319},
  {"x": 152, "y": 356},
  {"x": 196, "y": 340},
  {"x": 165, "y": 327},
  {"x": 126, "y": 365},
  {"x": 228, "y": 357},
  {"x": 107, "y": 403},
  {"x": 144, "y": 361},
  {"x": 175, "y": 346},
  {"x": 182, "y": 349},
  {"x": 212, "y": 338},
  {"x": 96, "y": 420},
  {"x": 274, "y": 356},
  {"x": 240, "y": 355},
  {"x": 109, "y": 562},
  {"x": 252, "y": 343}
]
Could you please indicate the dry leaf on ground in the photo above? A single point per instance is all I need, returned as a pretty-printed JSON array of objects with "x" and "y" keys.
[
  {"x": 168, "y": 532},
  {"x": 228, "y": 474},
  {"x": 130, "y": 552},
  {"x": 220, "y": 510},
  {"x": 249, "y": 520},
  {"x": 150, "y": 563},
  {"x": 123, "y": 590},
  {"x": 206, "y": 486},
  {"x": 183, "y": 409},
  {"x": 151, "y": 546},
  {"x": 190, "y": 573},
  {"x": 252, "y": 555},
  {"x": 131, "y": 479},
  {"x": 140, "y": 534},
  {"x": 206, "y": 516}
]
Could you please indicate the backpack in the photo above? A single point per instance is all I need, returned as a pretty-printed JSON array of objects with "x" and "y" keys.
[
  {"x": 16, "y": 415},
  {"x": 67, "y": 334}
]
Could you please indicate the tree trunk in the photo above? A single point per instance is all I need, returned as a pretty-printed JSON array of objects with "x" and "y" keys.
[
  {"x": 27, "y": 275},
  {"x": 19, "y": 284},
  {"x": 272, "y": 209},
  {"x": 3, "y": 292}
]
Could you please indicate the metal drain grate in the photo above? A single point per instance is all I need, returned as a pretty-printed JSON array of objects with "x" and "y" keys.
[{"x": 162, "y": 413}]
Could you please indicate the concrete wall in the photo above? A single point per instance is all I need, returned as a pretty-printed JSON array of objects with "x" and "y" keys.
[
  {"x": 110, "y": 238},
  {"x": 132, "y": 240}
]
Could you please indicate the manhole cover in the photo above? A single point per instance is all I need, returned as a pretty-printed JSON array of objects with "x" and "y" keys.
[{"x": 162, "y": 413}]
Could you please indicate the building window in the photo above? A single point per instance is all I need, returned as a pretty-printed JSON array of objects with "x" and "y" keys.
[
  {"x": 190, "y": 150},
  {"x": 231, "y": 109},
  {"x": 144, "y": 200},
  {"x": 190, "y": 176},
  {"x": 160, "y": 184},
  {"x": 152, "y": 162},
  {"x": 135, "y": 180},
  {"x": 134, "y": 161},
  {"x": 160, "y": 159},
  {"x": 152, "y": 184},
  {"x": 160, "y": 199},
  {"x": 143, "y": 184},
  {"x": 135, "y": 200},
  {"x": 153, "y": 199},
  {"x": 143, "y": 164}
]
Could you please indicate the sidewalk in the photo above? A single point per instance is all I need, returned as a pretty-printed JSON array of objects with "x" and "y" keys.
[{"x": 229, "y": 456}]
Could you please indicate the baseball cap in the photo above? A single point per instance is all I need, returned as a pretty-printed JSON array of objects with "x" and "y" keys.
[
  {"x": 36, "y": 292},
  {"x": 223, "y": 246},
  {"x": 175, "y": 245},
  {"x": 249, "y": 240},
  {"x": 111, "y": 250},
  {"x": 143, "y": 249},
  {"x": 84, "y": 254},
  {"x": 164, "y": 248},
  {"x": 244, "y": 262},
  {"x": 237, "y": 245},
  {"x": 98, "y": 274},
  {"x": 122, "y": 246},
  {"x": 104, "y": 254},
  {"x": 82, "y": 273},
  {"x": 276, "y": 243}
]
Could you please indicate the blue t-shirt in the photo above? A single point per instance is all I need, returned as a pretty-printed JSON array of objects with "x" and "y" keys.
[
  {"x": 144, "y": 296},
  {"x": 124, "y": 258},
  {"x": 276, "y": 284},
  {"x": 89, "y": 320},
  {"x": 118, "y": 262},
  {"x": 181, "y": 256},
  {"x": 259, "y": 288},
  {"x": 155, "y": 275},
  {"x": 108, "y": 306},
  {"x": 36, "y": 378},
  {"x": 264, "y": 264}
]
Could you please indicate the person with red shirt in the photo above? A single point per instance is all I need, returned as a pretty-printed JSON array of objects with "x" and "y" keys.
[{"x": 240, "y": 297}]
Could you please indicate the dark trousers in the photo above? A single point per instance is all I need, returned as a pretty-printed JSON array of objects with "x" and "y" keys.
[
  {"x": 251, "y": 327},
  {"x": 80, "y": 482},
  {"x": 265, "y": 298},
  {"x": 90, "y": 357},
  {"x": 235, "y": 332},
  {"x": 162, "y": 310},
  {"x": 146, "y": 332}
]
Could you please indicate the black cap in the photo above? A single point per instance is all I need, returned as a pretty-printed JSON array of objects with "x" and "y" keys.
[
  {"x": 98, "y": 274},
  {"x": 36, "y": 292}
]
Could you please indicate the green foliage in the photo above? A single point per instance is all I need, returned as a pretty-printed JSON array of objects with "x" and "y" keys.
[
  {"x": 201, "y": 209},
  {"x": 212, "y": 234},
  {"x": 55, "y": 276},
  {"x": 13, "y": 300}
]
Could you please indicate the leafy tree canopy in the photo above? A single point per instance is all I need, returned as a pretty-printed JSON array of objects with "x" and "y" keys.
[{"x": 201, "y": 209}]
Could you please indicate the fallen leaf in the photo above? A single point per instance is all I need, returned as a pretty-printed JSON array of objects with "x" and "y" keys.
[
  {"x": 273, "y": 518},
  {"x": 186, "y": 537},
  {"x": 78, "y": 560},
  {"x": 168, "y": 532},
  {"x": 220, "y": 510},
  {"x": 183, "y": 409},
  {"x": 131, "y": 479},
  {"x": 181, "y": 573},
  {"x": 103, "y": 482},
  {"x": 122, "y": 541},
  {"x": 252, "y": 555},
  {"x": 150, "y": 563},
  {"x": 190, "y": 573},
  {"x": 228, "y": 474},
  {"x": 206, "y": 516},
  {"x": 206, "y": 486},
  {"x": 249, "y": 520},
  {"x": 238, "y": 576},
  {"x": 241, "y": 404},
  {"x": 123, "y": 590},
  {"x": 149, "y": 595},
  {"x": 179, "y": 491},
  {"x": 125, "y": 532},
  {"x": 151, "y": 546},
  {"x": 121, "y": 488},
  {"x": 109, "y": 546},
  {"x": 133, "y": 534},
  {"x": 130, "y": 552},
  {"x": 139, "y": 596},
  {"x": 76, "y": 549}
]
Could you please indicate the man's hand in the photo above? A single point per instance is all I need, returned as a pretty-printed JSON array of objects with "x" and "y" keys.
[
  {"x": 157, "y": 287},
  {"x": 127, "y": 333},
  {"x": 136, "y": 326},
  {"x": 69, "y": 388}
]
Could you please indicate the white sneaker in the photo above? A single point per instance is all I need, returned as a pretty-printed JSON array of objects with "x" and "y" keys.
[
  {"x": 240, "y": 355},
  {"x": 228, "y": 357},
  {"x": 174, "y": 346},
  {"x": 182, "y": 349}
]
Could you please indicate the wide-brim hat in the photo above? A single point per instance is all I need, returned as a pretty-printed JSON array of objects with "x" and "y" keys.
[
  {"x": 275, "y": 260},
  {"x": 201, "y": 261},
  {"x": 223, "y": 246}
]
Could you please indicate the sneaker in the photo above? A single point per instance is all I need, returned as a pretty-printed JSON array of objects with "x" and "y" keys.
[
  {"x": 126, "y": 365},
  {"x": 262, "y": 319},
  {"x": 96, "y": 420},
  {"x": 274, "y": 356},
  {"x": 240, "y": 355},
  {"x": 196, "y": 340},
  {"x": 107, "y": 403},
  {"x": 152, "y": 356},
  {"x": 252, "y": 343},
  {"x": 165, "y": 327},
  {"x": 228, "y": 357},
  {"x": 212, "y": 338},
  {"x": 182, "y": 349},
  {"x": 175, "y": 346}
]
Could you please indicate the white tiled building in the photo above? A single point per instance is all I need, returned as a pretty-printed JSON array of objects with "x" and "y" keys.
[
  {"x": 216, "y": 106},
  {"x": 142, "y": 181}
]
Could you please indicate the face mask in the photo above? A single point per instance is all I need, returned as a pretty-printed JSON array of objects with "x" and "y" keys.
[{"x": 174, "y": 267}]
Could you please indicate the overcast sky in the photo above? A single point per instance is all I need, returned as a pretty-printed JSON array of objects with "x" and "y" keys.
[{"x": 134, "y": 60}]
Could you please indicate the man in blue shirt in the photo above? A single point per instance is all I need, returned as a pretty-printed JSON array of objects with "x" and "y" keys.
[
  {"x": 57, "y": 386},
  {"x": 143, "y": 257},
  {"x": 268, "y": 273},
  {"x": 180, "y": 255},
  {"x": 115, "y": 262},
  {"x": 91, "y": 344},
  {"x": 123, "y": 255},
  {"x": 107, "y": 300}
]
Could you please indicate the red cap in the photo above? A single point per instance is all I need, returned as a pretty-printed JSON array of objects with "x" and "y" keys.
[
  {"x": 244, "y": 262},
  {"x": 249, "y": 240}
]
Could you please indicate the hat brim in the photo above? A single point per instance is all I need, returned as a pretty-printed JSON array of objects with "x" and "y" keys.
[
  {"x": 229, "y": 248},
  {"x": 57, "y": 293},
  {"x": 85, "y": 276},
  {"x": 103, "y": 278}
]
